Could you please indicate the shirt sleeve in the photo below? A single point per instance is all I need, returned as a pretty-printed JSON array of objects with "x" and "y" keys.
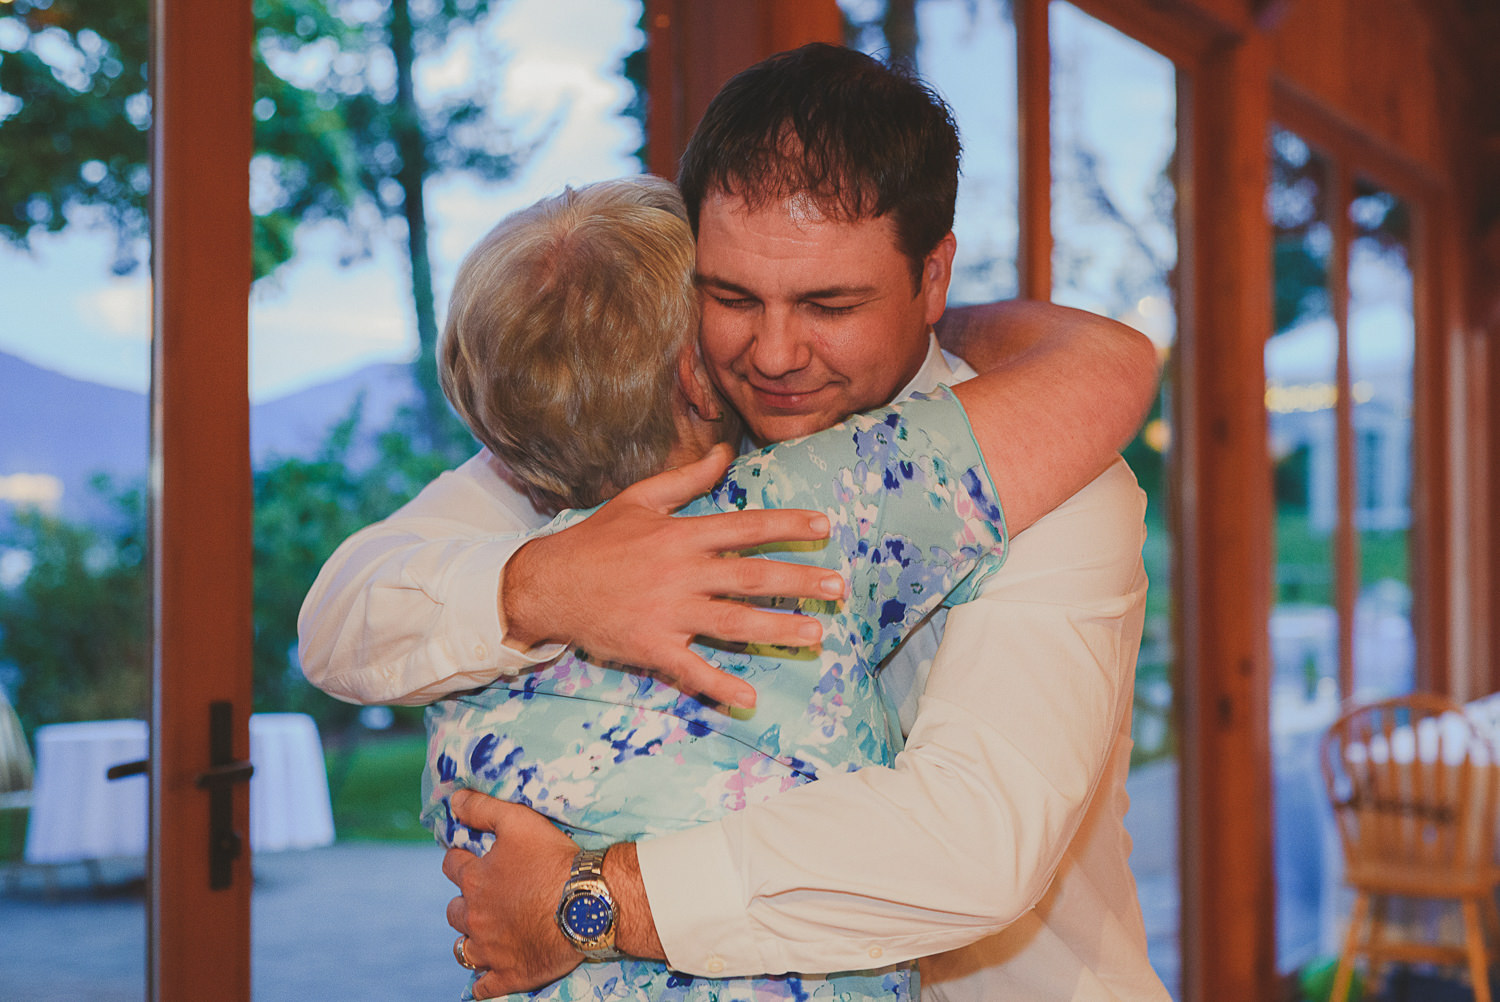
[
  {"x": 406, "y": 611},
  {"x": 963, "y": 834}
]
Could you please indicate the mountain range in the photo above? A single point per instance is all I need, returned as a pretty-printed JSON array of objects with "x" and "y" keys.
[{"x": 70, "y": 430}]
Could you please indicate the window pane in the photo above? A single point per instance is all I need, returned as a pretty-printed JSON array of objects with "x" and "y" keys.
[
  {"x": 967, "y": 52},
  {"x": 74, "y": 609},
  {"x": 1301, "y": 390},
  {"x": 517, "y": 102},
  {"x": 1382, "y": 344},
  {"x": 1114, "y": 140}
]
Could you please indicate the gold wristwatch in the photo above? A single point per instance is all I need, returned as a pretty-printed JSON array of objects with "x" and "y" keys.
[{"x": 586, "y": 911}]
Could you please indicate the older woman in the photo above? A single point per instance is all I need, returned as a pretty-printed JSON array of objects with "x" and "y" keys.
[{"x": 570, "y": 352}]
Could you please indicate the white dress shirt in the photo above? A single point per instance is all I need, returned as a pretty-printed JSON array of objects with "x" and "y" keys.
[
  {"x": 406, "y": 611},
  {"x": 1001, "y": 822}
]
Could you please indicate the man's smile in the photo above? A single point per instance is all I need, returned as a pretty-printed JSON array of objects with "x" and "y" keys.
[{"x": 786, "y": 398}]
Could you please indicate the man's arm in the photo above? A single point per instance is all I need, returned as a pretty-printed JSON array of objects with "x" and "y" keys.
[
  {"x": 410, "y": 610},
  {"x": 437, "y": 600},
  {"x": 959, "y": 839},
  {"x": 403, "y": 611},
  {"x": 1063, "y": 391}
]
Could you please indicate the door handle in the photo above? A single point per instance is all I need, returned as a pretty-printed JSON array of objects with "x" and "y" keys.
[{"x": 224, "y": 770}]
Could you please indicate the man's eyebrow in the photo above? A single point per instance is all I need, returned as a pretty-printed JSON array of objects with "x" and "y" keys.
[
  {"x": 700, "y": 279},
  {"x": 831, "y": 292}
]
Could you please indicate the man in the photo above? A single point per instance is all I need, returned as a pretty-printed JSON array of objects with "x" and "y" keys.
[{"x": 990, "y": 820}]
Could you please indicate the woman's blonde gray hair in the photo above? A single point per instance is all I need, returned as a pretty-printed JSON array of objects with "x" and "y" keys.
[{"x": 563, "y": 335}]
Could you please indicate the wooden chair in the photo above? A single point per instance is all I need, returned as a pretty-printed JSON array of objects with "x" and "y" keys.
[
  {"x": 15, "y": 787},
  {"x": 15, "y": 759},
  {"x": 1413, "y": 784}
]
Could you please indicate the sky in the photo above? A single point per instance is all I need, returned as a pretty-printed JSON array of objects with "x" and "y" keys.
[{"x": 313, "y": 320}]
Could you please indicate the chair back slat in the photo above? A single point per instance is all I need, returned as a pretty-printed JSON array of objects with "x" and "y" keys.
[{"x": 1412, "y": 782}]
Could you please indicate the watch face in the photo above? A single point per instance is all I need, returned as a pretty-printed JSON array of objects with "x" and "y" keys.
[{"x": 587, "y": 915}]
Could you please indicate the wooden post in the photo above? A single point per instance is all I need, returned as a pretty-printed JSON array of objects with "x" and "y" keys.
[
  {"x": 1034, "y": 132},
  {"x": 697, "y": 45},
  {"x": 1225, "y": 528},
  {"x": 200, "y": 485}
]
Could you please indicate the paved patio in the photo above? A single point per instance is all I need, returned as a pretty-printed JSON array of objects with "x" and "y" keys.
[
  {"x": 352, "y": 921},
  {"x": 365, "y": 921}
]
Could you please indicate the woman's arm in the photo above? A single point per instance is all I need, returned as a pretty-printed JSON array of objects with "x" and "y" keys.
[{"x": 1059, "y": 393}]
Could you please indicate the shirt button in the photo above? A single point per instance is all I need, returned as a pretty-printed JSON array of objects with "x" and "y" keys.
[
  {"x": 479, "y": 650},
  {"x": 715, "y": 965},
  {"x": 876, "y": 953}
]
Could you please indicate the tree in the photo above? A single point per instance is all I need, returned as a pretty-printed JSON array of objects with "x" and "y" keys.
[
  {"x": 390, "y": 142},
  {"x": 340, "y": 132},
  {"x": 76, "y": 625},
  {"x": 73, "y": 631},
  {"x": 303, "y": 509}
]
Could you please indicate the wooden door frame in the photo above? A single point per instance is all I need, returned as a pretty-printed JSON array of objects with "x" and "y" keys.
[{"x": 198, "y": 938}]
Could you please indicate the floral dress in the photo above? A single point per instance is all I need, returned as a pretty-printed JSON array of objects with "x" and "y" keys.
[{"x": 611, "y": 754}]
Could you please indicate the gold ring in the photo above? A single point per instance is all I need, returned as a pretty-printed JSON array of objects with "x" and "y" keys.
[{"x": 462, "y": 957}]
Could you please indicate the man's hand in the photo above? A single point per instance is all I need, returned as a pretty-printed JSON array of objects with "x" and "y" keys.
[
  {"x": 634, "y": 585},
  {"x": 508, "y": 897}
]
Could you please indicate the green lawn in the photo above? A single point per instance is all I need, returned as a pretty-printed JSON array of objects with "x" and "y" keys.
[
  {"x": 377, "y": 788},
  {"x": 12, "y": 834}
]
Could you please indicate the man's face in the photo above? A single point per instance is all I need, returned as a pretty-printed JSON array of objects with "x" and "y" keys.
[{"x": 807, "y": 320}]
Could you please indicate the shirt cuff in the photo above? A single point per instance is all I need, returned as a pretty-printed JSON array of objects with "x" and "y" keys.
[
  {"x": 693, "y": 888},
  {"x": 473, "y": 626}
]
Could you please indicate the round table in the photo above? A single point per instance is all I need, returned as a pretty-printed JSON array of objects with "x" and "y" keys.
[{"x": 78, "y": 815}]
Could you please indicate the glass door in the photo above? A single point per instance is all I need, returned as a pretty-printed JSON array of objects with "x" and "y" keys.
[
  {"x": 361, "y": 226},
  {"x": 1113, "y": 234},
  {"x": 1339, "y": 402},
  {"x": 74, "y": 605},
  {"x": 1114, "y": 252}
]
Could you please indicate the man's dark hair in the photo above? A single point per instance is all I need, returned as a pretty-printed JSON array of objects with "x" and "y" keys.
[{"x": 860, "y": 138}]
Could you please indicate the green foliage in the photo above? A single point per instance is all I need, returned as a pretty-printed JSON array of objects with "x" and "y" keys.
[
  {"x": 340, "y": 135},
  {"x": 73, "y": 126},
  {"x": 377, "y": 787},
  {"x": 75, "y": 630},
  {"x": 1301, "y": 281},
  {"x": 75, "y": 107},
  {"x": 1315, "y": 980},
  {"x": 303, "y": 510},
  {"x": 76, "y": 626}
]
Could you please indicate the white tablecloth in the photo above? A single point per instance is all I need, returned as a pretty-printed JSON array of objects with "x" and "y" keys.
[{"x": 77, "y": 815}]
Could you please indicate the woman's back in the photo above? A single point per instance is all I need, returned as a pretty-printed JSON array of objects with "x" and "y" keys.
[{"x": 611, "y": 754}]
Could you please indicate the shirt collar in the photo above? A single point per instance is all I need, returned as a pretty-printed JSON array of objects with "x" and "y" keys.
[{"x": 938, "y": 367}]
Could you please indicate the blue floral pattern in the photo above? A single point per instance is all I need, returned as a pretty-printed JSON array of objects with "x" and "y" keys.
[{"x": 611, "y": 754}]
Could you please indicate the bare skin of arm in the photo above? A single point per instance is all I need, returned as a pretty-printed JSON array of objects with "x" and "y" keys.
[{"x": 1073, "y": 388}]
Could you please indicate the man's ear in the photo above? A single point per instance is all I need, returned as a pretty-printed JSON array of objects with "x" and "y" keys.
[
  {"x": 937, "y": 273},
  {"x": 696, "y": 386}
]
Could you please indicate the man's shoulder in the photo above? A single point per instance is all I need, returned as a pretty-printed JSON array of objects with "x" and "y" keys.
[
  {"x": 1115, "y": 490},
  {"x": 1097, "y": 531},
  {"x": 478, "y": 493}
]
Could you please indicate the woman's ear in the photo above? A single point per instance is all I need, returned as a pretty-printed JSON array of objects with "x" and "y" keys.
[{"x": 697, "y": 388}]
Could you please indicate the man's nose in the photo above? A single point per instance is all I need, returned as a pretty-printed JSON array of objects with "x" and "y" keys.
[{"x": 781, "y": 344}]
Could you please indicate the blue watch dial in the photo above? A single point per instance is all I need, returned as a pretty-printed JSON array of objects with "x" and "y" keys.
[{"x": 588, "y": 916}]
